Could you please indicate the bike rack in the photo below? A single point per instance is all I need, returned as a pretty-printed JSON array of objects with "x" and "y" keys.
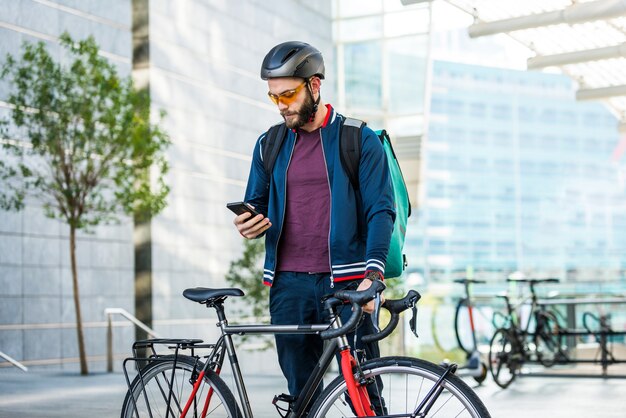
[
  {"x": 13, "y": 361},
  {"x": 109, "y": 312},
  {"x": 571, "y": 331}
]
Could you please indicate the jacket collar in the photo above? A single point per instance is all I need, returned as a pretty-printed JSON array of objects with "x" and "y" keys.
[{"x": 330, "y": 112}]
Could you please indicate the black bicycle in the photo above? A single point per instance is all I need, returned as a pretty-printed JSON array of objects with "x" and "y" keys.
[
  {"x": 514, "y": 344},
  {"x": 180, "y": 385}
]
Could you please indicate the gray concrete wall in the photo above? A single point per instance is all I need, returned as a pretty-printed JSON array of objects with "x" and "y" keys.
[{"x": 36, "y": 299}]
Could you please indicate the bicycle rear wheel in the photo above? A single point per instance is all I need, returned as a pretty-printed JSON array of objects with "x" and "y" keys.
[
  {"x": 505, "y": 357},
  {"x": 403, "y": 384},
  {"x": 463, "y": 331},
  {"x": 149, "y": 394},
  {"x": 462, "y": 327}
]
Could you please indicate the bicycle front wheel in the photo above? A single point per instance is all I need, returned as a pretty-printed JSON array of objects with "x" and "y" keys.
[
  {"x": 164, "y": 388},
  {"x": 505, "y": 357},
  {"x": 400, "y": 386}
]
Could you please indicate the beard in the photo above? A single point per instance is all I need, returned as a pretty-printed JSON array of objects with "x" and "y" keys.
[{"x": 304, "y": 114}]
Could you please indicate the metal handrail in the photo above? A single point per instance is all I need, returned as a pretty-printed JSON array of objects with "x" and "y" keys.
[
  {"x": 109, "y": 312},
  {"x": 13, "y": 361}
]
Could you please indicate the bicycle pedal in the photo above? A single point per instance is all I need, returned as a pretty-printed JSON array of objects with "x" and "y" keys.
[{"x": 283, "y": 397}]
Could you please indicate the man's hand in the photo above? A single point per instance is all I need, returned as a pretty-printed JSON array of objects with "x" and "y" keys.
[
  {"x": 251, "y": 227},
  {"x": 365, "y": 284}
]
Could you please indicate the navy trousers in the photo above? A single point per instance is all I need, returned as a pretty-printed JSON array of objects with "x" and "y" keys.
[{"x": 295, "y": 298}]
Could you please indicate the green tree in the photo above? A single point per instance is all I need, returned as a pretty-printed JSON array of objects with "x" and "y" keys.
[
  {"x": 81, "y": 143},
  {"x": 246, "y": 273}
]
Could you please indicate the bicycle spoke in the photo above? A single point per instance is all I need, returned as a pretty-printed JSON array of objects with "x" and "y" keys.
[
  {"x": 434, "y": 415},
  {"x": 157, "y": 382}
]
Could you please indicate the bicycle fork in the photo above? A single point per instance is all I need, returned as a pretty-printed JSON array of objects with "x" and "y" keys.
[
  {"x": 470, "y": 312},
  {"x": 427, "y": 403},
  {"x": 356, "y": 390}
]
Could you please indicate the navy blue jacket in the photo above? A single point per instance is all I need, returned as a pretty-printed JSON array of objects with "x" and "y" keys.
[{"x": 361, "y": 222}]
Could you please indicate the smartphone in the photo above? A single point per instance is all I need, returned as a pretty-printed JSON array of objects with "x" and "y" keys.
[{"x": 241, "y": 207}]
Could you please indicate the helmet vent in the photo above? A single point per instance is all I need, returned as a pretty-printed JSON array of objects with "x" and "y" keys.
[{"x": 289, "y": 55}]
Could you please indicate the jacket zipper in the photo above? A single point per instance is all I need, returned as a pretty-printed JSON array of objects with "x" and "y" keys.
[
  {"x": 282, "y": 221},
  {"x": 330, "y": 217}
]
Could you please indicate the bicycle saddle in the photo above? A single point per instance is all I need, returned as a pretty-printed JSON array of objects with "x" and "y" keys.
[{"x": 204, "y": 294}]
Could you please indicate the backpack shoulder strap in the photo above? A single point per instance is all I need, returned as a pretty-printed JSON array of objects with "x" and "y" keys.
[
  {"x": 350, "y": 148},
  {"x": 273, "y": 141}
]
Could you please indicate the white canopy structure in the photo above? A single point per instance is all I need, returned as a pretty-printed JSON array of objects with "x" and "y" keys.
[{"x": 585, "y": 39}]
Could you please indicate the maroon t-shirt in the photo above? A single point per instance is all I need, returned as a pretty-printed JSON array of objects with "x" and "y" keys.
[{"x": 303, "y": 245}]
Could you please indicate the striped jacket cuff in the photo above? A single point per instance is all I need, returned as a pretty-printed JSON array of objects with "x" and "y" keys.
[{"x": 375, "y": 265}]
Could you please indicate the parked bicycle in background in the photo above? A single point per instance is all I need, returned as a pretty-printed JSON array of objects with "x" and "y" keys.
[{"x": 513, "y": 344}]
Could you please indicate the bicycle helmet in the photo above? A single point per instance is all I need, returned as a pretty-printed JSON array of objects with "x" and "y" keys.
[{"x": 293, "y": 59}]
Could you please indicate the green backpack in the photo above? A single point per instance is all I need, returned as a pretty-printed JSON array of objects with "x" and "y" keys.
[{"x": 350, "y": 144}]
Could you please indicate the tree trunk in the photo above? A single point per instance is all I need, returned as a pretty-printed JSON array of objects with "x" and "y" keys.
[{"x": 79, "y": 319}]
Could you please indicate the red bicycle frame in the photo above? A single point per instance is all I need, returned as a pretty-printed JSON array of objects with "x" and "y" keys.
[{"x": 357, "y": 392}]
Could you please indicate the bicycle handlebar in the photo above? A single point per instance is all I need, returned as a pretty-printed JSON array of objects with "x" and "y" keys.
[
  {"x": 466, "y": 280},
  {"x": 534, "y": 281},
  {"x": 357, "y": 299},
  {"x": 395, "y": 308}
]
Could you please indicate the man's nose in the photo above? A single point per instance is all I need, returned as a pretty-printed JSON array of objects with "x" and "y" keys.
[{"x": 282, "y": 106}]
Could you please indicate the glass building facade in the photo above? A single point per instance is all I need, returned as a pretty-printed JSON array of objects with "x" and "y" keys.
[
  {"x": 518, "y": 176},
  {"x": 382, "y": 52}
]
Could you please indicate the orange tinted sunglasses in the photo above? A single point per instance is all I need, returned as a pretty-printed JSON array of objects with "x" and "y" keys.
[{"x": 287, "y": 97}]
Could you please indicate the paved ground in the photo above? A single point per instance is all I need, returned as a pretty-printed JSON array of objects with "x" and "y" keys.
[{"x": 63, "y": 395}]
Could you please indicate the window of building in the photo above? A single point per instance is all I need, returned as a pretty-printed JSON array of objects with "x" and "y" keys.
[
  {"x": 363, "y": 75},
  {"x": 455, "y": 107},
  {"x": 477, "y": 110},
  {"x": 502, "y": 112},
  {"x": 548, "y": 116},
  {"x": 407, "y": 75}
]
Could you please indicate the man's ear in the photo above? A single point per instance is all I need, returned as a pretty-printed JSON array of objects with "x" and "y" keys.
[{"x": 316, "y": 84}]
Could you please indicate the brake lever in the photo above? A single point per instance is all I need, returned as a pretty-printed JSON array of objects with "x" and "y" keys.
[
  {"x": 413, "y": 321},
  {"x": 376, "y": 313}
]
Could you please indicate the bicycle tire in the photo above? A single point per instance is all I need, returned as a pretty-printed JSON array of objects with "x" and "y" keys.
[
  {"x": 505, "y": 357},
  {"x": 461, "y": 319},
  {"x": 403, "y": 382},
  {"x": 547, "y": 339},
  {"x": 156, "y": 376}
]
